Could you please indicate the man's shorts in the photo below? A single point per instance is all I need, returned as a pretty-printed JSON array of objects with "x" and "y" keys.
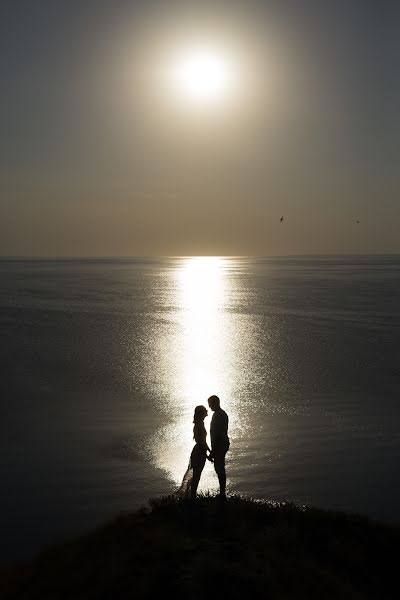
[{"x": 219, "y": 459}]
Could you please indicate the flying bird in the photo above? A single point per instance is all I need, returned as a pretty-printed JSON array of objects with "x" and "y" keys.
[{"x": 281, "y": 219}]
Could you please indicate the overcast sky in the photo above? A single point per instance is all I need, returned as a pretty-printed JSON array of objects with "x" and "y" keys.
[{"x": 98, "y": 156}]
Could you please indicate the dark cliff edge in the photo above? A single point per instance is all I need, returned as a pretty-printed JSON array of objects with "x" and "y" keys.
[{"x": 240, "y": 548}]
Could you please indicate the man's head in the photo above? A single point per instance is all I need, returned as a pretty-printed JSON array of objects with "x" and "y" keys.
[{"x": 213, "y": 402}]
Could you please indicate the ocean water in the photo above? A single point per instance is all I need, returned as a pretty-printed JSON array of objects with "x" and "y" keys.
[{"x": 103, "y": 362}]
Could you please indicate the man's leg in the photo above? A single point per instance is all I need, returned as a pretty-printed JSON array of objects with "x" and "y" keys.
[
  {"x": 222, "y": 484},
  {"x": 219, "y": 466}
]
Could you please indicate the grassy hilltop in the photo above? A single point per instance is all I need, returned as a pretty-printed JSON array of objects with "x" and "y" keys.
[{"x": 238, "y": 549}]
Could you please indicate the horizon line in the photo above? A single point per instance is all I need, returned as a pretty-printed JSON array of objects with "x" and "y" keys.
[{"x": 146, "y": 256}]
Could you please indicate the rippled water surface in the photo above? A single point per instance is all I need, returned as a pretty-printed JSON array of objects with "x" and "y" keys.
[{"x": 103, "y": 362}]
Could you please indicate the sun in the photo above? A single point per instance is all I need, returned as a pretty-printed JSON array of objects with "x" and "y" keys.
[{"x": 202, "y": 75}]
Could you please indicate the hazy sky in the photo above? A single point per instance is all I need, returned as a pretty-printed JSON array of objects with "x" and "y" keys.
[{"x": 100, "y": 155}]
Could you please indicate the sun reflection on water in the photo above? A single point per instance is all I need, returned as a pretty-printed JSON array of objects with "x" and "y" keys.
[
  {"x": 201, "y": 285},
  {"x": 201, "y": 357}
]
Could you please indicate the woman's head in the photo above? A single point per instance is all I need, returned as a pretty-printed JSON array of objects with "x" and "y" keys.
[{"x": 200, "y": 412}]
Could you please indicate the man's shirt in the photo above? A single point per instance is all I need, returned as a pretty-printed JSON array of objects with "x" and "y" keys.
[{"x": 219, "y": 429}]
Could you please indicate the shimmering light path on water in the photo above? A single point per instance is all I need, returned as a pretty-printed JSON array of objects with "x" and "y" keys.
[{"x": 201, "y": 360}]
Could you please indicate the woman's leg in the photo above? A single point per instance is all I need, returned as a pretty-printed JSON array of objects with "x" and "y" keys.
[{"x": 195, "y": 482}]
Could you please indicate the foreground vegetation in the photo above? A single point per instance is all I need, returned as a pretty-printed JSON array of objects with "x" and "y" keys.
[{"x": 240, "y": 549}]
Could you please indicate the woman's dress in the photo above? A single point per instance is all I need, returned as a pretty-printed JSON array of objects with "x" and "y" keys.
[{"x": 197, "y": 459}]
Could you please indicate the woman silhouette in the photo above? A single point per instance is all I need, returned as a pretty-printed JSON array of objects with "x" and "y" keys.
[{"x": 198, "y": 455}]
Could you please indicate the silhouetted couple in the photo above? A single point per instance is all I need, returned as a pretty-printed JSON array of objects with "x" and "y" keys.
[{"x": 201, "y": 452}]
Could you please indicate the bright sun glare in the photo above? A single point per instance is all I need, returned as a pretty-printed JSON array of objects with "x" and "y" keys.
[{"x": 203, "y": 75}]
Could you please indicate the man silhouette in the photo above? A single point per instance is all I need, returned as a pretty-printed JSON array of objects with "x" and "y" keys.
[{"x": 219, "y": 441}]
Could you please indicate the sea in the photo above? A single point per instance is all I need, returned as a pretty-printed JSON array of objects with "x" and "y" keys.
[{"x": 103, "y": 362}]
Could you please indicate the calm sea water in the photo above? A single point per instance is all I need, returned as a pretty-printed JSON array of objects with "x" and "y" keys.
[{"x": 103, "y": 362}]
